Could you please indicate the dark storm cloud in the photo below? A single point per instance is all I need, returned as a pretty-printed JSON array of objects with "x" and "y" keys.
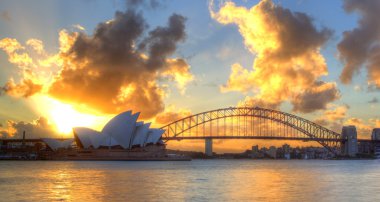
[
  {"x": 318, "y": 98},
  {"x": 162, "y": 41},
  {"x": 107, "y": 71},
  {"x": 360, "y": 46}
]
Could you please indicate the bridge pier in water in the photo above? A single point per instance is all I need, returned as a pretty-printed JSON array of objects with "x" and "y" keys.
[{"x": 208, "y": 146}]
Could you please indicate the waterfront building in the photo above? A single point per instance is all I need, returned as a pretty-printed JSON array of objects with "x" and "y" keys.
[
  {"x": 255, "y": 152},
  {"x": 272, "y": 152},
  {"x": 286, "y": 151},
  {"x": 375, "y": 134},
  {"x": 365, "y": 148}
]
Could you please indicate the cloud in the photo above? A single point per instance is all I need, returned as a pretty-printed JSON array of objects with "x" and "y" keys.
[
  {"x": 178, "y": 70},
  {"x": 337, "y": 114},
  {"x": 117, "y": 67},
  {"x": 146, "y": 3},
  {"x": 171, "y": 114},
  {"x": 315, "y": 98},
  {"x": 34, "y": 64},
  {"x": 106, "y": 71},
  {"x": 5, "y": 15},
  {"x": 258, "y": 102},
  {"x": 79, "y": 27},
  {"x": 16, "y": 53},
  {"x": 375, "y": 122},
  {"x": 363, "y": 129},
  {"x": 162, "y": 41},
  {"x": 360, "y": 47},
  {"x": 25, "y": 88},
  {"x": 35, "y": 129},
  {"x": 288, "y": 61},
  {"x": 373, "y": 101},
  {"x": 333, "y": 117}
]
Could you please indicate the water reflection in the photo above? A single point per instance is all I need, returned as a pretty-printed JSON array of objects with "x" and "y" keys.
[
  {"x": 207, "y": 180},
  {"x": 64, "y": 181}
]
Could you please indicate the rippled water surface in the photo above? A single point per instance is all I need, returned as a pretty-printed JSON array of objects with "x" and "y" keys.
[{"x": 197, "y": 180}]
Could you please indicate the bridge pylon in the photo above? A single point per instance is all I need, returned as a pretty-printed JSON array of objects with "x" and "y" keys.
[
  {"x": 350, "y": 146},
  {"x": 208, "y": 147}
]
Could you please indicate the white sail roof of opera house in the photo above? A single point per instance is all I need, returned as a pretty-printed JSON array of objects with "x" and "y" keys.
[
  {"x": 154, "y": 135},
  {"x": 122, "y": 130},
  {"x": 89, "y": 137},
  {"x": 141, "y": 135}
]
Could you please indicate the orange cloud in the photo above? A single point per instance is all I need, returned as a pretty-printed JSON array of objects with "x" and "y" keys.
[
  {"x": 333, "y": 118},
  {"x": 288, "y": 62},
  {"x": 35, "y": 129},
  {"x": 363, "y": 129},
  {"x": 112, "y": 70},
  {"x": 25, "y": 88},
  {"x": 375, "y": 122},
  {"x": 179, "y": 71},
  {"x": 337, "y": 114},
  {"x": 16, "y": 52},
  {"x": 171, "y": 114},
  {"x": 36, "y": 67}
]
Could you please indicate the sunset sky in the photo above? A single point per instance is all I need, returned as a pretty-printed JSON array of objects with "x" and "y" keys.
[{"x": 78, "y": 63}]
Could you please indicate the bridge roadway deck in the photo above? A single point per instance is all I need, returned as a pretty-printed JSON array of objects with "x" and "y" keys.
[
  {"x": 251, "y": 137},
  {"x": 5, "y": 141}
]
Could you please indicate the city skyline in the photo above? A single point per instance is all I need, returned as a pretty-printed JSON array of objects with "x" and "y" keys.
[{"x": 62, "y": 64}]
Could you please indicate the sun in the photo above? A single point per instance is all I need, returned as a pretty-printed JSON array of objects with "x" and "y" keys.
[{"x": 65, "y": 116}]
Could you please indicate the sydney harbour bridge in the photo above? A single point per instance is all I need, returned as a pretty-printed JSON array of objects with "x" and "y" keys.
[{"x": 254, "y": 123}]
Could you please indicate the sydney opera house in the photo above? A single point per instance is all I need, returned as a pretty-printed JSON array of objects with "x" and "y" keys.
[
  {"x": 122, "y": 138},
  {"x": 123, "y": 132}
]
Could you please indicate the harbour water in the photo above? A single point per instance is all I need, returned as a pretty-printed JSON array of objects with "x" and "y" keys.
[{"x": 197, "y": 180}]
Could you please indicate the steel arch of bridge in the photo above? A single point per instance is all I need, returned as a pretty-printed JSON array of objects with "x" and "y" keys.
[{"x": 305, "y": 129}]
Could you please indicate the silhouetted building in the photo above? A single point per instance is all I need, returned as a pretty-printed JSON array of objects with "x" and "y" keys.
[{"x": 272, "y": 152}]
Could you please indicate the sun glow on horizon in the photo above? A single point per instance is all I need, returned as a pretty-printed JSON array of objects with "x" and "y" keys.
[{"x": 65, "y": 117}]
